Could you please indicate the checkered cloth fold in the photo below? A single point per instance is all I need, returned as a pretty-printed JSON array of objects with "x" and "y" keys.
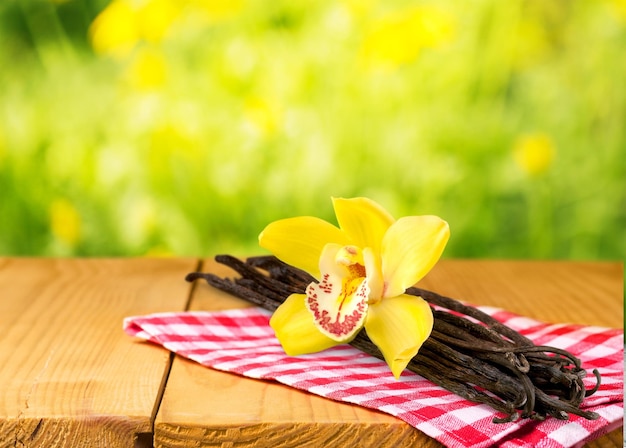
[{"x": 242, "y": 341}]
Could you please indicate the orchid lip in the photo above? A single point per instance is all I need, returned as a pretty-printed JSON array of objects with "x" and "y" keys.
[{"x": 338, "y": 306}]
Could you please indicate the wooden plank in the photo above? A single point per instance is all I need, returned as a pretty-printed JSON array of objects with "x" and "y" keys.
[
  {"x": 586, "y": 293},
  {"x": 69, "y": 375},
  {"x": 203, "y": 407}
]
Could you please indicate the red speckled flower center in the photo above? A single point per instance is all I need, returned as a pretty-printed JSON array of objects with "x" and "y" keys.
[{"x": 339, "y": 301}]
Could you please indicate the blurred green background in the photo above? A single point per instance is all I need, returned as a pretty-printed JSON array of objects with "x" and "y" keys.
[{"x": 183, "y": 127}]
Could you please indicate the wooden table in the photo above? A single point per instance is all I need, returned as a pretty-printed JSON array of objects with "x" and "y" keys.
[{"x": 69, "y": 375}]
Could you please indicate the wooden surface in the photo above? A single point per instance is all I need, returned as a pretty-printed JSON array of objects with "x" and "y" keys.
[
  {"x": 236, "y": 411},
  {"x": 69, "y": 375}
]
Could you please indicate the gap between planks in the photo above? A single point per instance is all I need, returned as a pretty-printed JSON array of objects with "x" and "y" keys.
[{"x": 146, "y": 440}]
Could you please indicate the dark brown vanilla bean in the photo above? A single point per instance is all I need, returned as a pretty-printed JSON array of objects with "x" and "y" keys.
[{"x": 469, "y": 353}]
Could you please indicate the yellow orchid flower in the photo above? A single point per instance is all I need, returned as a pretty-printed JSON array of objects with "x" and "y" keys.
[{"x": 363, "y": 268}]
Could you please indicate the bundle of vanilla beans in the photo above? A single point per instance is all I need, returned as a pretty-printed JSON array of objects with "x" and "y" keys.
[{"x": 468, "y": 352}]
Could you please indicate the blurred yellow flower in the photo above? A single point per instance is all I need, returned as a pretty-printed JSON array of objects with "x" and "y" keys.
[
  {"x": 155, "y": 18},
  {"x": 534, "y": 153},
  {"x": 123, "y": 23},
  {"x": 148, "y": 70},
  {"x": 65, "y": 221},
  {"x": 398, "y": 38},
  {"x": 114, "y": 31},
  {"x": 215, "y": 10}
]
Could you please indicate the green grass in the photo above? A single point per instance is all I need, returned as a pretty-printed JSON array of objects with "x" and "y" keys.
[{"x": 268, "y": 112}]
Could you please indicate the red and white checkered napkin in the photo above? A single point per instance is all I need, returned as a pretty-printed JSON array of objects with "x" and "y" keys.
[{"x": 242, "y": 341}]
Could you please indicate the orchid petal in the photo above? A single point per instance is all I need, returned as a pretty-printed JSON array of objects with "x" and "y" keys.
[
  {"x": 399, "y": 326},
  {"x": 299, "y": 241},
  {"x": 410, "y": 249},
  {"x": 374, "y": 274},
  {"x": 363, "y": 220},
  {"x": 294, "y": 328}
]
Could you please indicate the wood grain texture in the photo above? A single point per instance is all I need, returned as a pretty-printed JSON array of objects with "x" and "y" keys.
[
  {"x": 217, "y": 409},
  {"x": 69, "y": 375},
  {"x": 205, "y": 408},
  {"x": 587, "y": 293}
]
